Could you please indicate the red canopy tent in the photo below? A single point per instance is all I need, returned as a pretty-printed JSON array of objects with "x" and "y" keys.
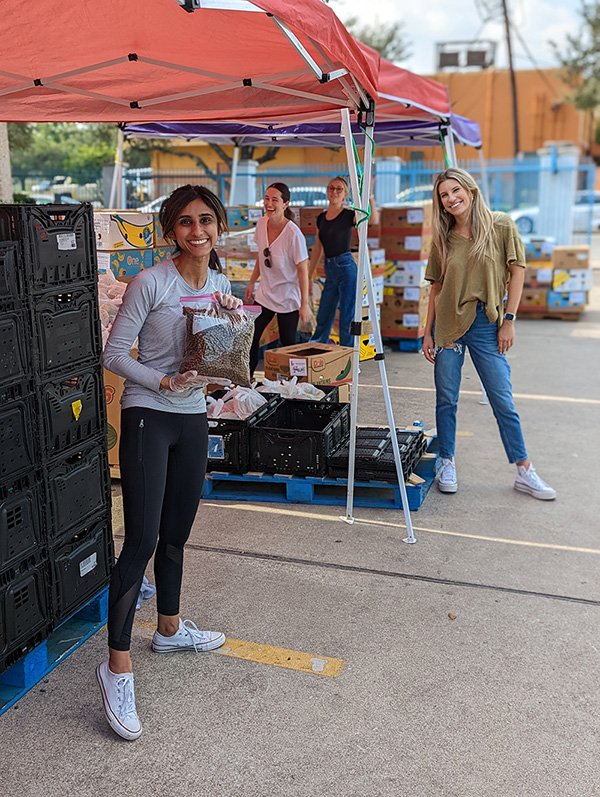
[
  {"x": 148, "y": 60},
  {"x": 232, "y": 60}
]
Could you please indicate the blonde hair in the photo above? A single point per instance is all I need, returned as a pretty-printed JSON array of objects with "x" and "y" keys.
[
  {"x": 482, "y": 219},
  {"x": 344, "y": 182}
]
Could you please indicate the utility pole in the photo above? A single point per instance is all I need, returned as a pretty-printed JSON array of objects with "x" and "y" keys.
[{"x": 513, "y": 83}]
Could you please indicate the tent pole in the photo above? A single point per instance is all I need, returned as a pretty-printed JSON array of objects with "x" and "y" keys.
[
  {"x": 117, "y": 177},
  {"x": 234, "y": 171},
  {"x": 364, "y": 273},
  {"x": 451, "y": 149}
]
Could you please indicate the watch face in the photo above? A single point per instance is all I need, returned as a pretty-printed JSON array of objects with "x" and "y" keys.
[{"x": 509, "y": 316}]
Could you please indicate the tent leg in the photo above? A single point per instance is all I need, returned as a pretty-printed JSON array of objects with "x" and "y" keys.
[
  {"x": 364, "y": 273},
  {"x": 116, "y": 188},
  {"x": 234, "y": 171}
]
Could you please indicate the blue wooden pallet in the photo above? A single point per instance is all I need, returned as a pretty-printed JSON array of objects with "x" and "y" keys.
[
  {"x": 404, "y": 344},
  {"x": 67, "y": 637},
  {"x": 283, "y": 489}
]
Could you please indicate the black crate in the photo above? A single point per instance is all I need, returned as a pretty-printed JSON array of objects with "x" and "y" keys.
[
  {"x": 20, "y": 519},
  {"x": 18, "y": 432},
  {"x": 72, "y": 410},
  {"x": 229, "y": 438},
  {"x": 24, "y": 612},
  {"x": 374, "y": 456},
  {"x": 57, "y": 242},
  {"x": 298, "y": 436},
  {"x": 77, "y": 487},
  {"x": 67, "y": 330},
  {"x": 80, "y": 565},
  {"x": 15, "y": 346},
  {"x": 12, "y": 283}
]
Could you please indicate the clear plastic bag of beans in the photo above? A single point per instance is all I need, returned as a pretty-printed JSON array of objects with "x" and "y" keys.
[{"x": 217, "y": 340}]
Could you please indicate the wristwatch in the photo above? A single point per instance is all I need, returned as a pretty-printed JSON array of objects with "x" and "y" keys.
[{"x": 510, "y": 316}]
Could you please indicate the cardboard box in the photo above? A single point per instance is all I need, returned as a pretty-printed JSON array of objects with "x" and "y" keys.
[
  {"x": 572, "y": 301},
  {"x": 123, "y": 229},
  {"x": 125, "y": 262},
  {"x": 568, "y": 257},
  {"x": 160, "y": 253},
  {"x": 113, "y": 390},
  {"x": 158, "y": 231},
  {"x": 240, "y": 218},
  {"x": 537, "y": 250},
  {"x": 319, "y": 363},
  {"x": 239, "y": 269},
  {"x": 406, "y": 218},
  {"x": 533, "y": 299},
  {"x": 407, "y": 246},
  {"x": 404, "y": 316},
  {"x": 405, "y": 274},
  {"x": 572, "y": 279},
  {"x": 538, "y": 275},
  {"x": 308, "y": 219}
]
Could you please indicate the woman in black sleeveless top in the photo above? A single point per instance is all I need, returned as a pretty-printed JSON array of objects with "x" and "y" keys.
[{"x": 333, "y": 240}]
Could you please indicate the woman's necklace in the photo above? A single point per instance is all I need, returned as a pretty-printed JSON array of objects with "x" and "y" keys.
[{"x": 464, "y": 232}]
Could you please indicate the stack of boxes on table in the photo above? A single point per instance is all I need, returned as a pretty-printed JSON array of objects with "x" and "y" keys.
[
  {"x": 406, "y": 240},
  {"x": 557, "y": 280},
  {"x": 308, "y": 225},
  {"x": 56, "y": 547}
]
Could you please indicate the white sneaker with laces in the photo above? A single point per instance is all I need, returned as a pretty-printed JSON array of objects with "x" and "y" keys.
[
  {"x": 446, "y": 476},
  {"x": 187, "y": 637},
  {"x": 119, "y": 701},
  {"x": 528, "y": 481}
]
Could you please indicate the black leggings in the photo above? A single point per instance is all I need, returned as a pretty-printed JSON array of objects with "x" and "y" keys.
[
  {"x": 163, "y": 462},
  {"x": 288, "y": 331}
]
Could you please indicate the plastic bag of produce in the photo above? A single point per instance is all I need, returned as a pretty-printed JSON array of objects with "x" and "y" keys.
[{"x": 218, "y": 341}]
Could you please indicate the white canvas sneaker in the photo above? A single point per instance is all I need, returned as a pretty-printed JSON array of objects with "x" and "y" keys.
[
  {"x": 528, "y": 481},
  {"x": 187, "y": 637},
  {"x": 119, "y": 701},
  {"x": 446, "y": 476}
]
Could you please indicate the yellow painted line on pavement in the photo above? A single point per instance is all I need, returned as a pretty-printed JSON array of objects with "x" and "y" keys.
[
  {"x": 463, "y": 434},
  {"x": 526, "y": 396},
  {"x": 443, "y": 532},
  {"x": 310, "y": 663}
]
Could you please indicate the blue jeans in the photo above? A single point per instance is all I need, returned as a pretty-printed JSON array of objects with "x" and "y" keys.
[
  {"x": 494, "y": 372},
  {"x": 340, "y": 289}
]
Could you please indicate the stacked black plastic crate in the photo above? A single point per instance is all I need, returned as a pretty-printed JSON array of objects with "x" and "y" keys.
[{"x": 54, "y": 470}]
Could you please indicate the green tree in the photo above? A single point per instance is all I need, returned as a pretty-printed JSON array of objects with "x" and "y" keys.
[
  {"x": 387, "y": 38},
  {"x": 580, "y": 59}
]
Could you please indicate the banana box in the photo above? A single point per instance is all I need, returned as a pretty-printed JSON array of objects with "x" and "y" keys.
[
  {"x": 123, "y": 229},
  {"x": 405, "y": 274},
  {"x": 572, "y": 279},
  {"x": 538, "y": 275},
  {"x": 239, "y": 269},
  {"x": 160, "y": 253},
  {"x": 567, "y": 301},
  {"x": 534, "y": 299},
  {"x": 125, "y": 263},
  {"x": 158, "y": 231}
]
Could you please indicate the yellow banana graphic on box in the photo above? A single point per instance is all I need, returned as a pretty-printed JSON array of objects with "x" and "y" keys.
[{"x": 137, "y": 235}]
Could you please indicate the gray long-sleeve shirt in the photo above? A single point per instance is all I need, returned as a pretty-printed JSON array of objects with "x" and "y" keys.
[{"x": 151, "y": 311}]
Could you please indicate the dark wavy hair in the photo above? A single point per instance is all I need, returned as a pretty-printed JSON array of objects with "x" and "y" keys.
[
  {"x": 286, "y": 196},
  {"x": 181, "y": 197}
]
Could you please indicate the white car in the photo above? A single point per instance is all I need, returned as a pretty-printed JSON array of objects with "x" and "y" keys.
[
  {"x": 586, "y": 207},
  {"x": 415, "y": 197}
]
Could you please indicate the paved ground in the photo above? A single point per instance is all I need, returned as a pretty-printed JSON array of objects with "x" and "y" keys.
[{"x": 470, "y": 660}]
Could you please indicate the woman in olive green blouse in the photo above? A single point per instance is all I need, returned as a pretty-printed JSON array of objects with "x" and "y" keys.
[{"x": 476, "y": 259}]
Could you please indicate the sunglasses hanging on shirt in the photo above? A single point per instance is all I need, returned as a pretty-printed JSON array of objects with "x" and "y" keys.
[{"x": 267, "y": 257}]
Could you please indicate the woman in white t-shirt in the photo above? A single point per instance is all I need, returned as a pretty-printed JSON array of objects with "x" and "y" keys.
[{"x": 282, "y": 266}]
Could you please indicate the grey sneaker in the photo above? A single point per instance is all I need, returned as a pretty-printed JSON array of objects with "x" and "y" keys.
[
  {"x": 446, "y": 476},
  {"x": 187, "y": 637},
  {"x": 528, "y": 481},
  {"x": 119, "y": 701}
]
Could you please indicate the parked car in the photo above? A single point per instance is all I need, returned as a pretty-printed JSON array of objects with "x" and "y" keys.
[
  {"x": 587, "y": 204},
  {"x": 415, "y": 196}
]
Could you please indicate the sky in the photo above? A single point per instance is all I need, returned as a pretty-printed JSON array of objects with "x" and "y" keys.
[{"x": 432, "y": 21}]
